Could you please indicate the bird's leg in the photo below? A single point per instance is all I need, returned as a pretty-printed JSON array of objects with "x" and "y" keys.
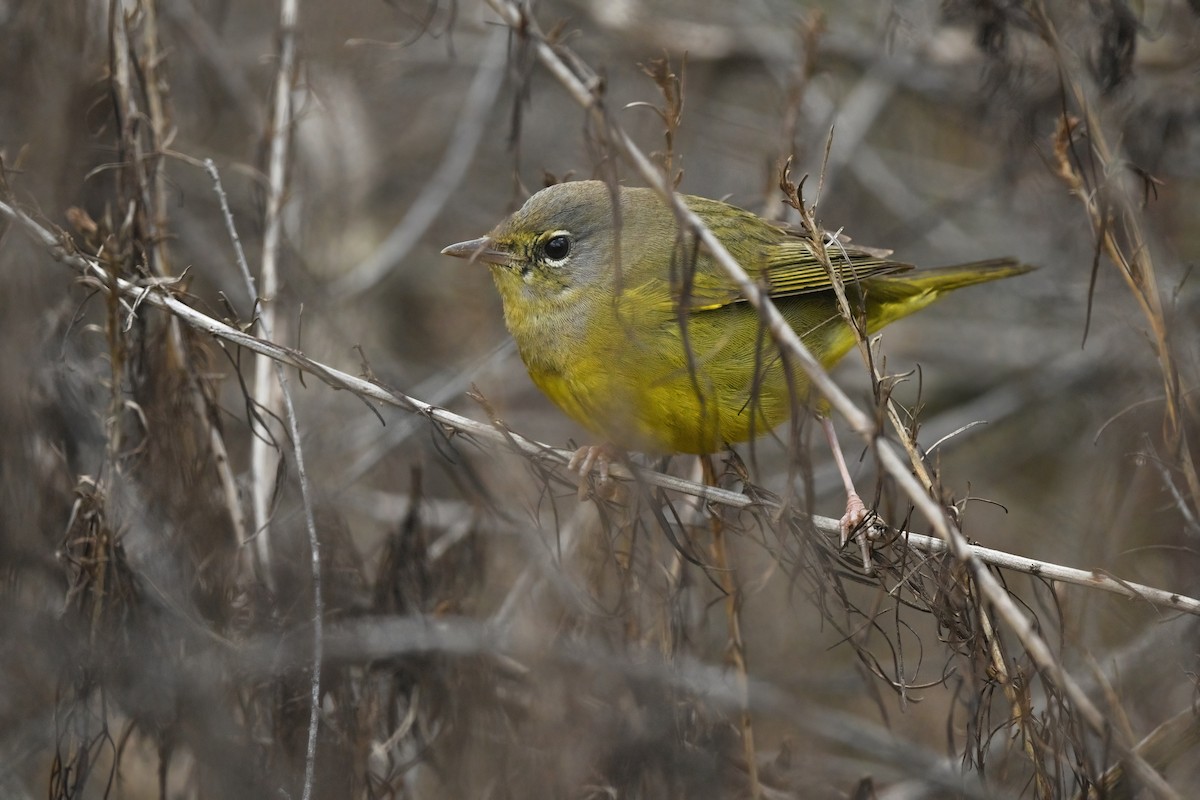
[
  {"x": 856, "y": 512},
  {"x": 599, "y": 456}
]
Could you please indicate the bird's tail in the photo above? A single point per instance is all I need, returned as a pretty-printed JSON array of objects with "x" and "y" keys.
[
  {"x": 946, "y": 279},
  {"x": 891, "y": 297}
]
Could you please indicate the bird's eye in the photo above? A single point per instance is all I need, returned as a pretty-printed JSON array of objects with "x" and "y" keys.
[{"x": 557, "y": 247}]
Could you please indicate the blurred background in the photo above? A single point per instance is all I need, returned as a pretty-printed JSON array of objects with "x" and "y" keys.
[{"x": 490, "y": 634}]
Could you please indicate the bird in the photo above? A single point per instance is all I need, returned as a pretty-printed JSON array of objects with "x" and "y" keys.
[{"x": 638, "y": 334}]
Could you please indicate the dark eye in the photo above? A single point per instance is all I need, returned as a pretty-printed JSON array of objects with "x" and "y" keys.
[{"x": 557, "y": 248}]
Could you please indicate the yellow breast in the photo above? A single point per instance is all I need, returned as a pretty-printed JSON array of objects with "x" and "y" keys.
[{"x": 646, "y": 385}]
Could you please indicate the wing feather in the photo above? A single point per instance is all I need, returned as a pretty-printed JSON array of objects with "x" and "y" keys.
[
  {"x": 781, "y": 258},
  {"x": 787, "y": 267}
]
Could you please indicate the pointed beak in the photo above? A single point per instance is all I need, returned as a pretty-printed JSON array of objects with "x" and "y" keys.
[{"x": 481, "y": 249}]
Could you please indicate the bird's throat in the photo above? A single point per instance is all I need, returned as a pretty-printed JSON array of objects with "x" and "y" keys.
[{"x": 548, "y": 331}]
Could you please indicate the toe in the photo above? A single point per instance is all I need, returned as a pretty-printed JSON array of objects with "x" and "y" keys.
[
  {"x": 856, "y": 512},
  {"x": 583, "y": 461}
]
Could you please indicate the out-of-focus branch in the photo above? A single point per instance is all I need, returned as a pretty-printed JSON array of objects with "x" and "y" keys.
[
  {"x": 151, "y": 190},
  {"x": 263, "y": 446},
  {"x": 264, "y": 477},
  {"x": 212, "y": 50},
  {"x": 378, "y": 638},
  {"x": 306, "y": 494},
  {"x": 1114, "y": 216}
]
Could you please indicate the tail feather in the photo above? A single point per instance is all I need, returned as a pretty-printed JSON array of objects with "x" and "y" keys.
[
  {"x": 956, "y": 276},
  {"x": 895, "y": 296}
]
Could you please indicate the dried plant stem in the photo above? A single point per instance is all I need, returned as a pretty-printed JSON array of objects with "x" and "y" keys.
[
  {"x": 1019, "y": 700},
  {"x": 157, "y": 210},
  {"x": 1021, "y": 625},
  {"x": 318, "y": 613},
  {"x": 727, "y": 579},
  {"x": 1018, "y": 703},
  {"x": 281, "y": 128},
  {"x": 820, "y": 248},
  {"x": 224, "y": 468},
  {"x": 809, "y": 31},
  {"x": 130, "y": 122},
  {"x": 674, "y": 576},
  {"x": 153, "y": 198},
  {"x": 306, "y": 494},
  {"x": 262, "y": 450},
  {"x": 1113, "y": 214}
]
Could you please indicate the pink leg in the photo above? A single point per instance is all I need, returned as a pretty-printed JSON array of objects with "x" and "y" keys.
[
  {"x": 856, "y": 511},
  {"x": 599, "y": 456}
]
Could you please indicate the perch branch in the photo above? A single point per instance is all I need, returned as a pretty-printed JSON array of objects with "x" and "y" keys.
[{"x": 155, "y": 295}]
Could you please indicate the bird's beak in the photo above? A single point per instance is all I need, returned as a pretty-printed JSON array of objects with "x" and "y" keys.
[{"x": 481, "y": 249}]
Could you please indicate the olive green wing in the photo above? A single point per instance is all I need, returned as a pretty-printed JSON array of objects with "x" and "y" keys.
[
  {"x": 782, "y": 259},
  {"x": 792, "y": 266},
  {"x": 784, "y": 262}
]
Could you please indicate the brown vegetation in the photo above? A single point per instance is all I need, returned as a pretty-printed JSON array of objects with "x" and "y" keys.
[{"x": 275, "y": 519}]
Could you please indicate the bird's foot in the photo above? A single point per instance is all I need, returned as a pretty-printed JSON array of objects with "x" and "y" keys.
[
  {"x": 600, "y": 457},
  {"x": 856, "y": 514},
  {"x": 857, "y": 523}
]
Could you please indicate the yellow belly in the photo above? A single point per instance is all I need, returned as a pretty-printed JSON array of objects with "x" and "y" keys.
[
  {"x": 669, "y": 417},
  {"x": 643, "y": 393}
]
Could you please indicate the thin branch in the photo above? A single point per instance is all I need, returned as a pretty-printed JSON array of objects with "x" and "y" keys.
[
  {"x": 731, "y": 586},
  {"x": 1112, "y": 211},
  {"x": 263, "y": 474},
  {"x": 262, "y": 465},
  {"x": 305, "y": 487},
  {"x": 153, "y": 197},
  {"x": 318, "y": 612},
  {"x": 281, "y": 125},
  {"x": 1019, "y": 623}
]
